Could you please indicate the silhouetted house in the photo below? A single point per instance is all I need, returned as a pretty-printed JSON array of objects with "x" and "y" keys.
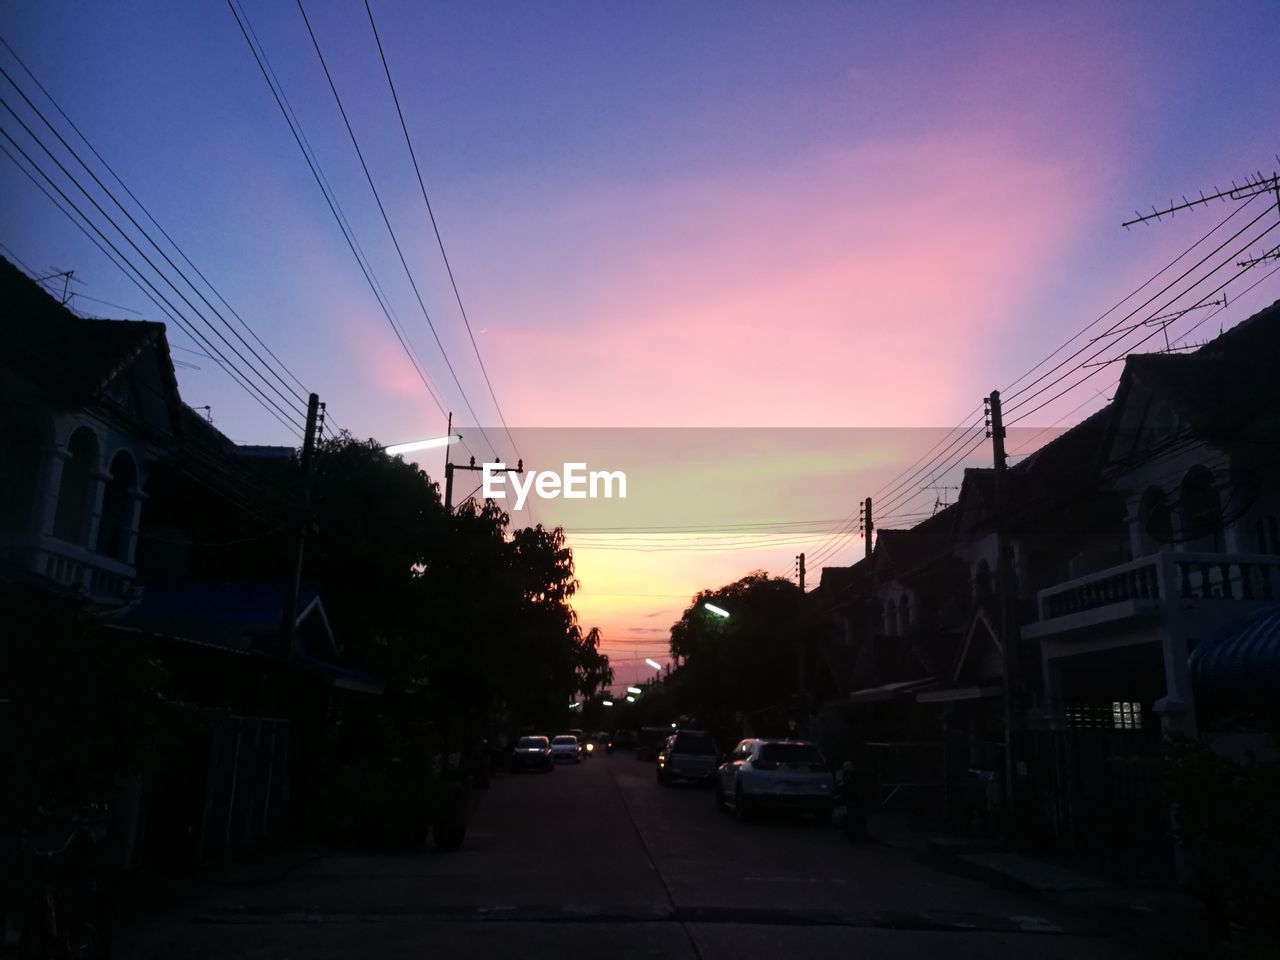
[
  {"x": 1145, "y": 570},
  {"x": 117, "y": 495},
  {"x": 86, "y": 406},
  {"x": 1189, "y": 548}
]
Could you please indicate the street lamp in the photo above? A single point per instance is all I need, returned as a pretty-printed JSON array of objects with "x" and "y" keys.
[
  {"x": 606, "y": 703},
  {"x": 636, "y": 690},
  {"x": 414, "y": 445},
  {"x": 653, "y": 663},
  {"x": 630, "y": 698},
  {"x": 718, "y": 611}
]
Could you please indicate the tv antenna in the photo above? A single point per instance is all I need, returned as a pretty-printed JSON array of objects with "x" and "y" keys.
[
  {"x": 1162, "y": 321},
  {"x": 1255, "y": 184},
  {"x": 1272, "y": 254},
  {"x": 67, "y": 276},
  {"x": 940, "y": 502}
]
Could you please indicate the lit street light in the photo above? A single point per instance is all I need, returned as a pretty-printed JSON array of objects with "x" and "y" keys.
[
  {"x": 630, "y": 698},
  {"x": 415, "y": 445},
  {"x": 718, "y": 611},
  {"x": 634, "y": 690},
  {"x": 653, "y": 663},
  {"x": 606, "y": 703}
]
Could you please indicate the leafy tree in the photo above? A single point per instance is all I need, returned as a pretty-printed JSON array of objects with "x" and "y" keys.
[{"x": 745, "y": 663}]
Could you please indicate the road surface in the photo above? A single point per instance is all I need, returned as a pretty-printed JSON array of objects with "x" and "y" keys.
[{"x": 598, "y": 860}]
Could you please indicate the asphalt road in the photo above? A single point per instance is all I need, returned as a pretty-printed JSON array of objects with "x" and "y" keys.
[{"x": 600, "y": 860}]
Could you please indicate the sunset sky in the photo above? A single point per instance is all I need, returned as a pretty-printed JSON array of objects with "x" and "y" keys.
[{"x": 695, "y": 221}]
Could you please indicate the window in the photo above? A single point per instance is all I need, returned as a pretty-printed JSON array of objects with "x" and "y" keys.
[
  {"x": 1154, "y": 515},
  {"x": 1267, "y": 531},
  {"x": 982, "y": 592},
  {"x": 116, "y": 525},
  {"x": 1201, "y": 513},
  {"x": 1126, "y": 715},
  {"x": 71, "y": 522}
]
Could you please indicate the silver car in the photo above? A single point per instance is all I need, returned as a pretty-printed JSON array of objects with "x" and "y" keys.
[
  {"x": 565, "y": 747},
  {"x": 783, "y": 775}
]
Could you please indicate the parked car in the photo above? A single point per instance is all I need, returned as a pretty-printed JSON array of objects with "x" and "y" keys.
[
  {"x": 688, "y": 755},
  {"x": 784, "y": 775},
  {"x": 565, "y": 747},
  {"x": 532, "y": 753}
]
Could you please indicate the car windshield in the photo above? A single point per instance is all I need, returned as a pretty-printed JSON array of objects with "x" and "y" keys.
[
  {"x": 792, "y": 754},
  {"x": 528, "y": 742},
  {"x": 565, "y": 742},
  {"x": 698, "y": 744}
]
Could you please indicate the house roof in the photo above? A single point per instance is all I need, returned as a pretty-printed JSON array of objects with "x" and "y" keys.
[
  {"x": 902, "y": 552},
  {"x": 1221, "y": 388},
  {"x": 66, "y": 352}
]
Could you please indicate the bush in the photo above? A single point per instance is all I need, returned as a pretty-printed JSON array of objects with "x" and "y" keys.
[{"x": 1228, "y": 819}]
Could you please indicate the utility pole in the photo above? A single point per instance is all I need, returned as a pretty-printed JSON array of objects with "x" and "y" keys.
[
  {"x": 1008, "y": 621},
  {"x": 288, "y": 627},
  {"x": 868, "y": 527},
  {"x": 802, "y": 700},
  {"x": 450, "y": 467}
]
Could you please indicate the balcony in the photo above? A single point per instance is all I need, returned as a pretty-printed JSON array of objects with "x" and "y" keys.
[
  {"x": 1213, "y": 585},
  {"x": 101, "y": 578}
]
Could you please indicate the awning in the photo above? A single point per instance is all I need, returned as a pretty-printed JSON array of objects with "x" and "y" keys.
[
  {"x": 953, "y": 694},
  {"x": 1244, "y": 658},
  {"x": 888, "y": 691},
  {"x": 340, "y": 677}
]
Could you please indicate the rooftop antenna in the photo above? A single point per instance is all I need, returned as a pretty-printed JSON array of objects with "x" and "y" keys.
[
  {"x": 1253, "y": 185},
  {"x": 66, "y": 275},
  {"x": 940, "y": 502},
  {"x": 208, "y": 412},
  {"x": 1163, "y": 320},
  {"x": 1272, "y": 254}
]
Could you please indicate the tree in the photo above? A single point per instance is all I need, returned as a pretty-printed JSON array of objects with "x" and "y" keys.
[{"x": 745, "y": 663}]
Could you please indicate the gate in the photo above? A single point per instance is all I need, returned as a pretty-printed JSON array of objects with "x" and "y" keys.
[{"x": 1095, "y": 792}]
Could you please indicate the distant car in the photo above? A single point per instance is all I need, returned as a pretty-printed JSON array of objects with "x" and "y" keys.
[
  {"x": 585, "y": 746},
  {"x": 785, "y": 775},
  {"x": 688, "y": 755},
  {"x": 649, "y": 741},
  {"x": 532, "y": 753},
  {"x": 565, "y": 748}
]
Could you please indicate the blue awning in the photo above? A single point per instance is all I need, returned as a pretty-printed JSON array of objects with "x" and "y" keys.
[{"x": 1242, "y": 659}]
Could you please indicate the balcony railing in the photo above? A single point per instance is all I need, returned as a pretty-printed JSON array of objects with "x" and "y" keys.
[
  {"x": 102, "y": 578},
  {"x": 1167, "y": 578}
]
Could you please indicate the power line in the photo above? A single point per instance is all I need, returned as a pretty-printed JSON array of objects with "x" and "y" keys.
[
  {"x": 436, "y": 228},
  {"x": 260, "y": 58},
  {"x": 387, "y": 221},
  {"x": 289, "y": 399},
  {"x": 111, "y": 170},
  {"x": 154, "y": 293}
]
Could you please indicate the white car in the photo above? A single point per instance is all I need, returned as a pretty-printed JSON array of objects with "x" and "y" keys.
[
  {"x": 784, "y": 775},
  {"x": 565, "y": 747}
]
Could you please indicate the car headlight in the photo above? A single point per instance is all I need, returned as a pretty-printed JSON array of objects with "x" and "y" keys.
[{"x": 590, "y": 747}]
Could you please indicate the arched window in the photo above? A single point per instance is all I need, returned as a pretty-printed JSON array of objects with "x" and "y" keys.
[
  {"x": 1156, "y": 520},
  {"x": 19, "y": 476},
  {"x": 71, "y": 522},
  {"x": 1200, "y": 513},
  {"x": 117, "y": 508},
  {"x": 982, "y": 583}
]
